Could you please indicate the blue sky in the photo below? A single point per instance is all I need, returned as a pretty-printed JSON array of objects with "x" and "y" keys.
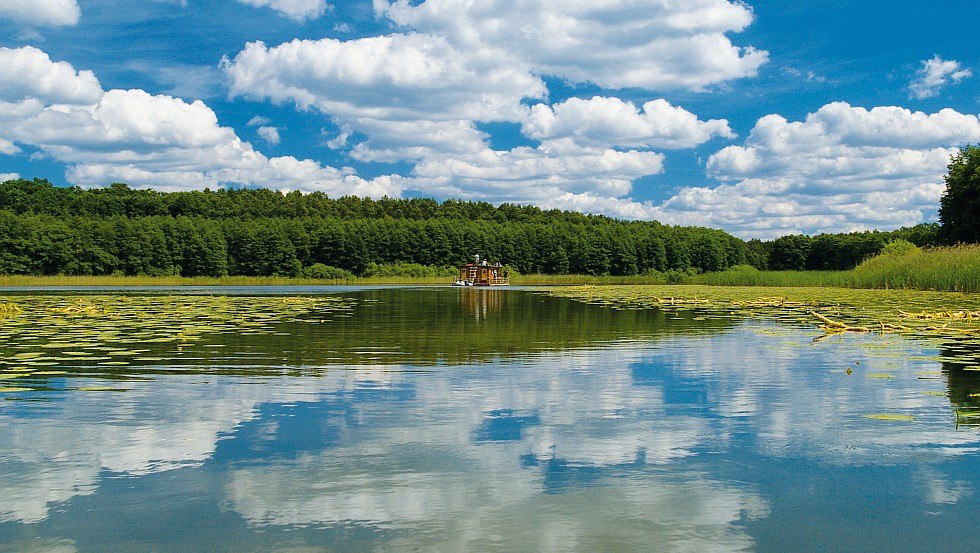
[{"x": 761, "y": 118}]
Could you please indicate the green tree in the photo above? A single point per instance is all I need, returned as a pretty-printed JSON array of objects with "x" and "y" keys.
[
  {"x": 959, "y": 207},
  {"x": 789, "y": 253}
]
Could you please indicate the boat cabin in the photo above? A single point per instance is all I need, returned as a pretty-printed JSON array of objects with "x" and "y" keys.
[{"x": 482, "y": 273}]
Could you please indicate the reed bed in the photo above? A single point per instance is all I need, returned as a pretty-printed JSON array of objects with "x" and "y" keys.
[
  {"x": 952, "y": 269},
  {"x": 955, "y": 269},
  {"x": 748, "y": 276}
]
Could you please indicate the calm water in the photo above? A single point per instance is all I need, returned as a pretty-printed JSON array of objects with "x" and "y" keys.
[{"x": 472, "y": 420}]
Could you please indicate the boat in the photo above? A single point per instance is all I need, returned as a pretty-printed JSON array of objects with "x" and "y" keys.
[{"x": 482, "y": 273}]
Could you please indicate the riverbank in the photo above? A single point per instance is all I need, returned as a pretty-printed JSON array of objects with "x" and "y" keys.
[{"x": 955, "y": 269}]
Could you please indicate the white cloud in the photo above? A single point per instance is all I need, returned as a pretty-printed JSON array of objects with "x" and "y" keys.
[
  {"x": 269, "y": 134},
  {"x": 935, "y": 74},
  {"x": 614, "y": 43},
  {"x": 4, "y": 177},
  {"x": 417, "y": 140},
  {"x": 42, "y": 13},
  {"x": 417, "y": 98},
  {"x": 341, "y": 139},
  {"x": 395, "y": 77},
  {"x": 30, "y": 73},
  {"x": 258, "y": 120},
  {"x": 537, "y": 175},
  {"x": 8, "y": 147},
  {"x": 604, "y": 121},
  {"x": 132, "y": 136},
  {"x": 299, "y": 10},
  {"x": 843, "y": 168}
]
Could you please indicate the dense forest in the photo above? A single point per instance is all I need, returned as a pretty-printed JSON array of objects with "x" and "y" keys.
[{"x": 47, "y": 229}]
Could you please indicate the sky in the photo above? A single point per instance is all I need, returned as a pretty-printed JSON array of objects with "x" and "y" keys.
[{"x": 761, "y": 118}]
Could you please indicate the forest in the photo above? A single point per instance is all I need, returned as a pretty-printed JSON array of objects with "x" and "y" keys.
[{"x": 51, "y": 230}]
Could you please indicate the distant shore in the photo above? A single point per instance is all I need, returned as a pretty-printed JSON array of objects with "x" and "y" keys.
[{"x": 940, "y": 269}]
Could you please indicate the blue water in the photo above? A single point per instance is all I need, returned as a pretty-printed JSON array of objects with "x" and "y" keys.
[{"x": 630, "y": 432}]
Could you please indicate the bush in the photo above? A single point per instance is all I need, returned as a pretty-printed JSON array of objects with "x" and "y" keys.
[
  {"x": 319, "y": 271},
  {"x": 408, "y": 270},
  {"x": 899, "y": 247}
]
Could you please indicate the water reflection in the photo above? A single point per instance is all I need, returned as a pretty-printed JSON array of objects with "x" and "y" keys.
[{"x": 645, "y": 433}]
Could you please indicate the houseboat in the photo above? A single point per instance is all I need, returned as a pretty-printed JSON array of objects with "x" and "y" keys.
[{"x": 482, "y": 273}]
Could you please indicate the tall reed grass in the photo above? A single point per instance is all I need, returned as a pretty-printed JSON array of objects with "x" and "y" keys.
[{"x": 953, "y": 269}]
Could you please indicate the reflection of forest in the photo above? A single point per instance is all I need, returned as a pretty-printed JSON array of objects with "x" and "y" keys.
[
  {"x": 425, "y": 326},
  {"x": 436, "y": 326},
  {"x": 964, "y": 387}
]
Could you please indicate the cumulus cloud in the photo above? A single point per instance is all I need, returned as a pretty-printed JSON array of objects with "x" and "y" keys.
[
  {"x": 615, "y": 44},
  {"x": 41, "y": 13},
  {"x": 603, "y": 121},
  {"x": 842, "y": 168},
  {"x": 30, "y": 73},
  {"x": 143, "y": 139},
  {"x": 417, "y": 98},
  {"x": 535, "y": 175},
  {"x": 396, "y": 77},
  {"x": 934, "y": 75},
  {"x": 269, "y": 134},
  {"x": 299, "y": 10},
  {"x": 4, "y": 177}
]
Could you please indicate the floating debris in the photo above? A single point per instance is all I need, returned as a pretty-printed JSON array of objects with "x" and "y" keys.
[{"x": 890, "y": 417}]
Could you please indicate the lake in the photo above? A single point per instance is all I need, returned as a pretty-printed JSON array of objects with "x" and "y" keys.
[{"x": 446, "y": 419}]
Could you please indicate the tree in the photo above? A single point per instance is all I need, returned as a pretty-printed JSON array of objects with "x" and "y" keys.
[
  {"x": 959, "y": 207},
  {"x": 789, "y": 253}
]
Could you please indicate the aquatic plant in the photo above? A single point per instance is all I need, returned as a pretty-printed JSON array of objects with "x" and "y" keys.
[{"x": 79, "y": 336}]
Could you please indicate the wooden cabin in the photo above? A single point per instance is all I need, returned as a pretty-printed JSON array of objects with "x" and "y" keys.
[{"x": 482, "y": 273}]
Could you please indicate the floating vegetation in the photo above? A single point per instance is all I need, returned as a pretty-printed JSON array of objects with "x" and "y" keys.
[
  {"x": 70, "y": 334},
  {"x": 890, "y": 417},
  {"x": 8, "y": 309},
  {"x": 880, "y": 376},
  {"x": 950, "y": 319}
]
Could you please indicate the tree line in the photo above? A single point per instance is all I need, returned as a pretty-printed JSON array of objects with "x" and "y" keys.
[{"x": 47, "y": 229}]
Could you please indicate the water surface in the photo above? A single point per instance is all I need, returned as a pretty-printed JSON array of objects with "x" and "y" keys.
[{"x": 421, "y": 419}]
